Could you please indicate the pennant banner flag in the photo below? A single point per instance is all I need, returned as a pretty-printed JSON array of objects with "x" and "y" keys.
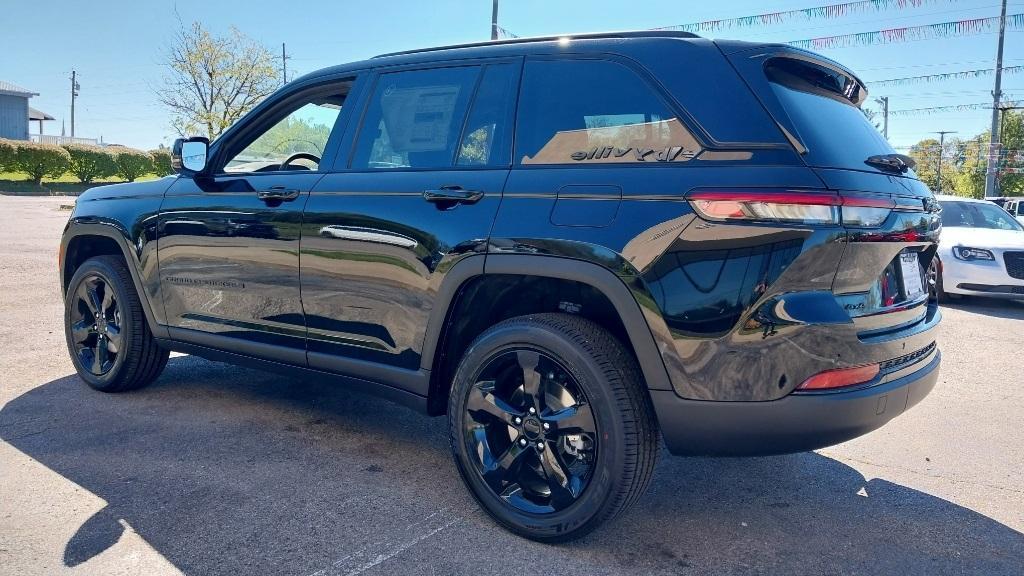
[
  {"x": 953, "y": 108},
  {"x": 828, "y": 12},
  {"x": 926, "y": 32},
  {"x": 945, "y": 76}
]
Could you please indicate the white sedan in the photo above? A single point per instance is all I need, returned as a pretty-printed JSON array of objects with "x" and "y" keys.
[{"x": 981, "y": 251}]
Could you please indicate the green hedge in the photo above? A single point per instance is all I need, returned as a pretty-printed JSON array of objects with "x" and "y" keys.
[
  {"x": 39, "y": 160},
  {"x": 161, "y": 161},
  {"x": 131, "y": 163},
  {"x": 6, "y": 155},
  {"x": 90, "y": 162}
]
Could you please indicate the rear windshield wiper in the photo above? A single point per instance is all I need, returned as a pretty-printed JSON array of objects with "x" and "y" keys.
[{"x": 898, "y": 163}]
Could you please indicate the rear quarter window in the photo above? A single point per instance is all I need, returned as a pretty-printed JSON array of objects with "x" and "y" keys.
[{"x": 595, "y": 111}]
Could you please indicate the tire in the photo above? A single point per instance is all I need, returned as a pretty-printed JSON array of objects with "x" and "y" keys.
[
  {"x": 115, "y": 352},
  {"x": 578, "y": 369},
  {"x": 934, "y": 270}
]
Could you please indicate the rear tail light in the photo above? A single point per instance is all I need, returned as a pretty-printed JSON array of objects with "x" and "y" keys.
[
  {"x": 791, "y": 206},
  {"x": 840, "y": 378}
]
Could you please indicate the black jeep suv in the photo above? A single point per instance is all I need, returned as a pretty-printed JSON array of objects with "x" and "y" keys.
[{"x": 571, "y": 246}]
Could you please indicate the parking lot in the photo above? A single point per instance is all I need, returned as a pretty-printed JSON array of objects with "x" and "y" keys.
[{"x": 223, "y": 470}]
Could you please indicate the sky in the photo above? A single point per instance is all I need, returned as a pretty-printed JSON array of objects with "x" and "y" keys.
[{"x": 116, "y": 47}]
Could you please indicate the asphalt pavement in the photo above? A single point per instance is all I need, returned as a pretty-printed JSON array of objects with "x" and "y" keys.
[{"x": 216, "y": 469}]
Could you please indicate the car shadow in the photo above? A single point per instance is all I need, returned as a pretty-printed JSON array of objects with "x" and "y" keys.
[
  {"x": 227, "y": 470},
  {"x": 1011, "y": 309}
]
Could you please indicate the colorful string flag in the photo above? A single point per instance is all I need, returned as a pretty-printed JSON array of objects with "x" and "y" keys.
[
  {"x": 953, "y": 108},
  {"x": 944, "y": 76},
  {"x": 828, "y": 12},
  {"x": 911, "y": 33}
]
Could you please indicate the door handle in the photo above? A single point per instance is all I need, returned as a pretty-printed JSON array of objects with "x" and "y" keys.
[
  {"x": 277, "y": 194},
  {"x": 452, "y": 195}
]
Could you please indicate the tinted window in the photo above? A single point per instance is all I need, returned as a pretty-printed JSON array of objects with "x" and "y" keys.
[
  {"x": 297, "y": 141},
  {"x": 414, "y": 118},
  {"x": 823, "y": 105},
  {"x": 977, "y": 215},
  {"x": 580, "y": 111},
  {"x": 484, "y": 140}
]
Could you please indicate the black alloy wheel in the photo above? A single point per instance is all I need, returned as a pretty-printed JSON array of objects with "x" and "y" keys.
[
  {"x": 96, "y": 325},
  {"x": 106, "y": 330},
  {"x": 551, "y": 425},
  {"x": 532, "y": 431}
]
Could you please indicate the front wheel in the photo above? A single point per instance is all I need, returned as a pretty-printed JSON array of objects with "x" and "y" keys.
[
  {"x": 551, "y": 426},
  {"x": 935, "y": 282},
  {"x": 107, "y": 334}
]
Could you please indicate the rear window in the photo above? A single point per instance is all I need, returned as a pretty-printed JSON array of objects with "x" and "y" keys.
[{"x": 824, "y": 106}]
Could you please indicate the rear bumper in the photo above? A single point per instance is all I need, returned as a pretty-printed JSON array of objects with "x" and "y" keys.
[{"x": 795, "y": 423}]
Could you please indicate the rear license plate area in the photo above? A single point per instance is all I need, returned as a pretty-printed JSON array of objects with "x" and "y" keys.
[{"x": 911, "y": 279}]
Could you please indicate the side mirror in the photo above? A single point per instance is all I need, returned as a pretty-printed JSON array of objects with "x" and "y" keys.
[{"x": 188, "y": 156}]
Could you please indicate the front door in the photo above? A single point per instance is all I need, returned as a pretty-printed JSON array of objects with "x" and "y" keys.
[
  {"x": 418, "y": 194},
  {"x": 229, "y": 242}
]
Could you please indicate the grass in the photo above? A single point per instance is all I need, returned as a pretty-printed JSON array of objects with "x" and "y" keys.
[{"x": 17, "y": 184}]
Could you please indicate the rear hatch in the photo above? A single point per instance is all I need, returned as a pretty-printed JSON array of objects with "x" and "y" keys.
[{"x": 816, "y": 103}]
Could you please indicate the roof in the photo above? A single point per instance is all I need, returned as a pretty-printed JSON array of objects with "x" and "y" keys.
[
  {"x": 951, "y": 198},
  {"x": 11, "y": 89},
  {"x": 34, "y": 114},
  {"x": 559, "y": 37}
]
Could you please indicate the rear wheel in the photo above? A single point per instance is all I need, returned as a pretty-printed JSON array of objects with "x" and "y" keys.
[
  {"x": 106, "y": 332},
  {"x": 550, "y": 426}
]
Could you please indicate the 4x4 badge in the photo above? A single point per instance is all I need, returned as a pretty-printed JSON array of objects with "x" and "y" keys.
[{"x": 640, "y": 154}]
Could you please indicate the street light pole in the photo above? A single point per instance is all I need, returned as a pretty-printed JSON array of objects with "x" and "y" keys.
[
  {"x": 993, "y": 145},
  {"x": 494, "y": 20},
  {"x": 942, "y": 141}
]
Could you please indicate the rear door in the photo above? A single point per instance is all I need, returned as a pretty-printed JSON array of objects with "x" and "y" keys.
[{"x": 417, "y": 193}]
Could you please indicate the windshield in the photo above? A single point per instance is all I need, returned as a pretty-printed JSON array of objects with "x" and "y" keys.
[
  {"x": 977, "y": 215},
  {"x": 823, "y": 105}
]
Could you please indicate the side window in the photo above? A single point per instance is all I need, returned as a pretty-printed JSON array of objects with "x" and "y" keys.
[
  {"x": 297, "y": 141},
  {"x": 595, "y": 111},
  {"x": 484, "y": 137},
  {"x": 414, "y": 119}
]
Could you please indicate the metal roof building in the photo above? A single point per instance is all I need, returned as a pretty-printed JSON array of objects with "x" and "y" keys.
[{"x": 15, "y": 111}]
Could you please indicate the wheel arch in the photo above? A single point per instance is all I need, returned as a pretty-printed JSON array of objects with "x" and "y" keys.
[
  {"x": 84, "y": 240},
  {"x": 465, "y": 283}
]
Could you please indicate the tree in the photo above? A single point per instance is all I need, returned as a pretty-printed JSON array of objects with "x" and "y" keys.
[
  {"x": 39, "y": 160},
  {"x": 8, "y": 149},
  {"x": 926, "y": 154},
  {"x": 90, "y": 162},
  {"x": 1012, "y": 138},
  {"x": 214, "y": 80},
  {"x": 132, "y": 163}
]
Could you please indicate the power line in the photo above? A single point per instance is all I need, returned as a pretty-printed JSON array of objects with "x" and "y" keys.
[
  {"x": 952, "y": 107},
  {"x": 943, "y": 76}
]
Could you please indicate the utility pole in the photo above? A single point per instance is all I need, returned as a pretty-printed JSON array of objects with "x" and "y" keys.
[
  {"x": 284, "y": 65},
  {"x": 993, "y": 143},
  {"x": 942, "y": 141},
  {"x": 74, "y": 94},
  {"x": 494, "y": 20},
  {"x": 884, "y": 101}
]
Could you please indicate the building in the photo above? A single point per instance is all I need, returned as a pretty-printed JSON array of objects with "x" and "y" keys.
[
  {"x": 14, "y": 111},
  {"x": 16, "y": 116}
]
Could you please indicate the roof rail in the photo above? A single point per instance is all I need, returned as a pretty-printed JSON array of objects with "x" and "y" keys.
[{"x": 586, "y": 36}]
